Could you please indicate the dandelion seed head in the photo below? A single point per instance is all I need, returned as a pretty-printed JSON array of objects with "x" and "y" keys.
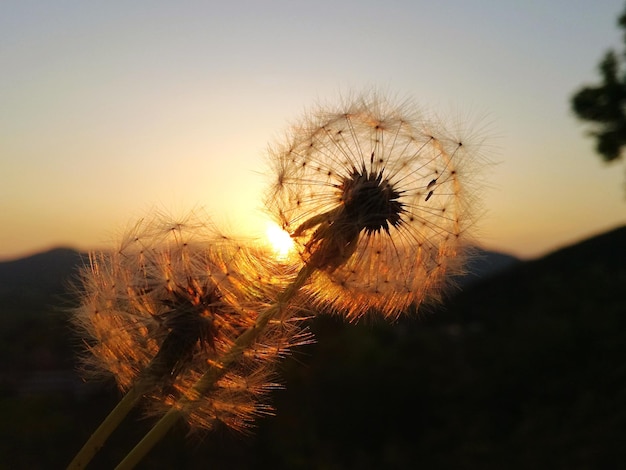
[
  {"x": 170, "y": 300},
  {"x": 163, "y": 286},
  {"x": 377, "y": 198}
]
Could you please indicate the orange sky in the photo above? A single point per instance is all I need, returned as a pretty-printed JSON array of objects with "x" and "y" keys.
[{"x": 109, "y": 111}]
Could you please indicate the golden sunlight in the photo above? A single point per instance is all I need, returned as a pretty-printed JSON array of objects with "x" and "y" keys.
[{"x": 279, "y": 240}]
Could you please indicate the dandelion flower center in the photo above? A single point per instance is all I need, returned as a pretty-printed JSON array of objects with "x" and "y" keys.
[
  {"x": 371, "y": 201},
  {"x": 188, "y": 320}
]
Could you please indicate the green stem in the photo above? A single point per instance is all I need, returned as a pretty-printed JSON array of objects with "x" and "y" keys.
[
  {"x": 149, "y": 440},
  {"x": 100, "y": 435},
  {"x": 243, "y": 342}
]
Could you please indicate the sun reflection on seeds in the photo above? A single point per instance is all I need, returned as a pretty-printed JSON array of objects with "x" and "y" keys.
[{"x": 280, "y": 241}]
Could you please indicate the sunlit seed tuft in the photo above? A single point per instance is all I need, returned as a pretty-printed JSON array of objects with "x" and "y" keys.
[
  {"x": 169, "y": 302},
  {"x": 372, "y": 193}
]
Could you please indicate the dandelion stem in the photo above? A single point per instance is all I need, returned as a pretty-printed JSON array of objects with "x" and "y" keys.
[
  {"x": 100, "y": 435},
  {"x": 243, "y": 342}
]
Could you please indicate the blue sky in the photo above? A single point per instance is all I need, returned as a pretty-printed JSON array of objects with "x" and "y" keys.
[{"x": 111, "y": 109}]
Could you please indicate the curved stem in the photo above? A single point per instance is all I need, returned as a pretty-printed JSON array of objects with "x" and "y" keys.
[
  {"x": 100, "y": 435},
  {"x": 243, "y": 342}
]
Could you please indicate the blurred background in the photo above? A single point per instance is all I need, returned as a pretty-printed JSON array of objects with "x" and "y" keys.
[{"x": 109, "y": 110}]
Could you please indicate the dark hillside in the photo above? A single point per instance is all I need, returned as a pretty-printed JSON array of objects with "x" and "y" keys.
[
  {"x": 523, "y": 369},
  {"x": 38, "y": 279},
  {"x": 546, "y": 342},
  {"x": 34, "y": 332},
  {"x": 589, "y": 272},
  {"x": 484, "y": 264}
]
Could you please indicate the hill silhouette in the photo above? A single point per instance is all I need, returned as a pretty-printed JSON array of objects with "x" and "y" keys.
[
  {"x": 39, "y": 279},
  {"x": 520, "y": 369}
]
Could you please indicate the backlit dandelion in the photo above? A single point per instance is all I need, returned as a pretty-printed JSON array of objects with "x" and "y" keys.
[
  {"x": 376, "y": 197},
  {"x": 163, "y": 297},
  {"x": 166, "y": 306}
]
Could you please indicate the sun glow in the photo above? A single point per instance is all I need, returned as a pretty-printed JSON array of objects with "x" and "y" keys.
[{"x": 279, "y": 240}]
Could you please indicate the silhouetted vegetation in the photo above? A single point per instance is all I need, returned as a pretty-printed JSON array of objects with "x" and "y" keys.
[
  {"x": 521, "y": 370},
  {"x": 604, "y": 104}
]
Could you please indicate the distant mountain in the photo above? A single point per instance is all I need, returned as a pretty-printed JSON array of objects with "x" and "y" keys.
[
  {"x": 41, "y": 277},
  {"x": 607, "y": 249},
  {"x": 51, "y": 271},
  {"x": 484, "y": 264}
]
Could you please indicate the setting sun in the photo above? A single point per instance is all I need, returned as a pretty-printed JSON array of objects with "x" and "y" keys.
[{"x": 279, "y": 240}]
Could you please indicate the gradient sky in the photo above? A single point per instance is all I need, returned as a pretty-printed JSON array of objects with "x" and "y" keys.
[{"x": 110, "y": 109}]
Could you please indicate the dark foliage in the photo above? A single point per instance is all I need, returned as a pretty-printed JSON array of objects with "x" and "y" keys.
[{"x": 604, "y": 104}]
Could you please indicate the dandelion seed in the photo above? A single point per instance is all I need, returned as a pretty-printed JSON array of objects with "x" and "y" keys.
[{"x": 373, "y": 194}]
